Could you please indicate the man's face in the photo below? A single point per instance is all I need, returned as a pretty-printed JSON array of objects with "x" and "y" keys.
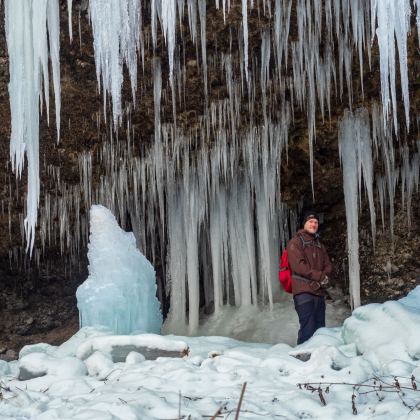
[{"x": 311, "y": 226}]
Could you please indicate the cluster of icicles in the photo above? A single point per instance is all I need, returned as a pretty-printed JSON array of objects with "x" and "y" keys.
[
  {"x": 215, "y": 216},
  {"x": 212, "y": 195}
]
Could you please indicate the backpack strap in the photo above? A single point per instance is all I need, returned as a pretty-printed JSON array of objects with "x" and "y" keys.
[
  {"x": 304, "y": 243},
  {"x": 302, "y": 238},
  {"x": 301, "y": 278}
]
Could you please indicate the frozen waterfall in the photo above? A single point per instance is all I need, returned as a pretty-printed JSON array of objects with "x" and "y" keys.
[{"x": 202, "y": 191}]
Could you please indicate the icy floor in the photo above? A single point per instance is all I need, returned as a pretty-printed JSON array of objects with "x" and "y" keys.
[
  {"x": 260, "y": 324},
  {"x": 377, "y": 339}
]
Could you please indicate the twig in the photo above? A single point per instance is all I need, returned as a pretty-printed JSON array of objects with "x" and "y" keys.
[
  {"x": 216, "y": 414},
  {"x": 358, "y": 385},
  {"x": 106, "y": 377},
  {"x": 383, "y": 386},
  {"x": 240, "y": 401},
  {"x": 179, "y": 409}
]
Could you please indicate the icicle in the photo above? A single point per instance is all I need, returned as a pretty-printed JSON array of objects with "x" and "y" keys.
[
  {"x": 116, "y": 30},
  {"x": 69, "y": 7},
  {"x": 393, "y": 21},
  {"x": 202, "y": 14},
  {"x": 26, "y": 33},
  {"x": 245, "y": 28},
  {"x": 168, "y": 28}
]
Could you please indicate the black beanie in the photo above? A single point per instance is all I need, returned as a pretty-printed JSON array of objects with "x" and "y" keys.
[{"x": 310, "y": 215}]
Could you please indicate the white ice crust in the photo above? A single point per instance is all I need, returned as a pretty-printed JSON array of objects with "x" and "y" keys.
[{"x": 120, "y": 292}]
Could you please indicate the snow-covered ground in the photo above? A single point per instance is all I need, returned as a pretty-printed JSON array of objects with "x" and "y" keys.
[{"x": 381, "y": 340}]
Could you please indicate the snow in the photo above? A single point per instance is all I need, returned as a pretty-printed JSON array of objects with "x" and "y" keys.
[
  {"x": 382, "y": 333},
  {"x": 134, "y": 358},
  {"x": 213, "y": 373},
  {"x": 120, "y": 292},
  {"x": 39, "y": 364},
  {"x": 99, "y": 364}
]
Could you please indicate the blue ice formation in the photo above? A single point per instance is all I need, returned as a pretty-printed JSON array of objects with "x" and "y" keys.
[{"x": 120, "y": 292}]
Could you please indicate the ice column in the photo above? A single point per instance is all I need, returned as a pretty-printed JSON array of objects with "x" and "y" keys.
[
  {"x": 120, "y": 291},
  {"x": 348, "y": 154},
  {"x": 356, "y": 156},
  {"x": 27, "y": 42}
]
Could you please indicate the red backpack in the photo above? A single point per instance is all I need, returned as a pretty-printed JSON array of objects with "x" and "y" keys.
[{"x": 285, "y": 275}]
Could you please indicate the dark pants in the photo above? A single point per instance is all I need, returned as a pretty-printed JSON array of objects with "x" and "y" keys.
[{"x": 311, "y": 312}]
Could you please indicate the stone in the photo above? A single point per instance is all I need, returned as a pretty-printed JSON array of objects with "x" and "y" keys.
[
  {"x": 9, "y": 356},
  {"x": 12, "y": 353},
  {"x": 29, "y": 321},
  {"x": 335, "y": 293},
  {"x": 3, "y": 350}
]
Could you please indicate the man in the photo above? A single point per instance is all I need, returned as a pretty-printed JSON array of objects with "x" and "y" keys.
[{"x": 311, "y": 269}]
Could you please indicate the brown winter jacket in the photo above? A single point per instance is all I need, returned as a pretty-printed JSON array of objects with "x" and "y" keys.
[{"x": 311, "y": 263}]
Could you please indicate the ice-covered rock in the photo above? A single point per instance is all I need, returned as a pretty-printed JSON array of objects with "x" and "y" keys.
[
  {"x": 70, "y": 346},
  {"x": 120, "y": 292},
  {"x": 151, "y": 346}
]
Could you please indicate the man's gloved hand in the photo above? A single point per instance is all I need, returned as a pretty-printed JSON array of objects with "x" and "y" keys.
[
  {"x": 314, "y": 285},
  {"x": 324, "y": 281}
]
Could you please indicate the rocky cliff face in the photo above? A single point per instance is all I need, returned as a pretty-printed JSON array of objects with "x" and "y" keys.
[{"x": 37, "y": 296}]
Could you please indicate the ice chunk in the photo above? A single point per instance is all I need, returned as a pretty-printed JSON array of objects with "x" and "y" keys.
[
  {"x": 36, "y": 348},
  {"x": 119, "y": 346},
  {"x": 4, "y": 368},
  {"x": 120, "y": 292},
  {"x": 35, "y": 365}
]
